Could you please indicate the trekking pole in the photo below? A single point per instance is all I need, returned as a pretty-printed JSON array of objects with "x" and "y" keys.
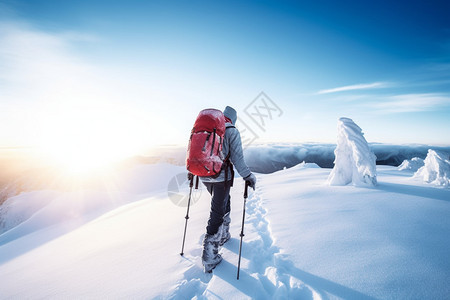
[
  {"x": 247, "y": 183},
  {"x": 191, "y": 184}
]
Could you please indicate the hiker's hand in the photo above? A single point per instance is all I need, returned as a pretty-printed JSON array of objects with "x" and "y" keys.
[
  {"x": 190, "y": 176},
  {"x": 251, "y": 180}
]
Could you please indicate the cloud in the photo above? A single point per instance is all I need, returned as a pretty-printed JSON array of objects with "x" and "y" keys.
[
  {"x": 362, "y": 86},
  {"x": 411, "y": 103},
  {"x": 38, "y": 66}
]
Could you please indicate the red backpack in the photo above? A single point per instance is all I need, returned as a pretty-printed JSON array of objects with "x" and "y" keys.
[{"x": 204, "y": 154}]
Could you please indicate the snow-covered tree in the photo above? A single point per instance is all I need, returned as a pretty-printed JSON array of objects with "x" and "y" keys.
[
  {"x": 413, "y": 164},
  {"x": 436, "y": 169},
  {"x": 354, "y": 161}
]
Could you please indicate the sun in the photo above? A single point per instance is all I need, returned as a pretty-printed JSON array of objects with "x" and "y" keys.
[
  {"x": 81, "y": 154},
  {"x": 86, "y": 139}
]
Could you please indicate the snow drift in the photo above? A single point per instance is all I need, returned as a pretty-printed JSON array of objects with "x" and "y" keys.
[
  {"x": 355, "y": 162},
  {"x": 436, "y": 169},
  {"x": 413, "y": 164}
]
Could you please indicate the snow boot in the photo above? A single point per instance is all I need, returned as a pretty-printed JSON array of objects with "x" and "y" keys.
[
  {"x": 225, "y": 229},
  {"x": 210, "y": 256}
]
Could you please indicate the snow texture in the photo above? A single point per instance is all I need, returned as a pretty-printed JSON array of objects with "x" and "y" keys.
[
  {"x": 355, "y": 163},
  {"x": 303, "y": 240},
  {"x": 436, "y": 169},
  {"x": 413, "y": 164}
]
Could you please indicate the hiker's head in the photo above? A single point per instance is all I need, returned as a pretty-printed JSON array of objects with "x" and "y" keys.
[{"x": 231, "y": 114}]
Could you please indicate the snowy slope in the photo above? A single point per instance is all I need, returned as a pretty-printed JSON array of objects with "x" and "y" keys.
[
  {"x": 388, "y": 242},
  {"x": 303, "y": 240}
]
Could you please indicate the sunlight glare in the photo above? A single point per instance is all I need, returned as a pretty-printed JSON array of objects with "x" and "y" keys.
[{"x": 83, "y": 140}]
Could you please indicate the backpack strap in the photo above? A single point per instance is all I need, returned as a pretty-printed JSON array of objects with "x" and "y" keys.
[{"x": 228, "y": 165}]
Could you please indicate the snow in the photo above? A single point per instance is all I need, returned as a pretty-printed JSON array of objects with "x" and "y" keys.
[
  {"x": 355, "y": 163},
  {"x": 436, "y": 169},
  {"x": 303, "y": 239},
  {"x": 413, "y": 164},
  {"x": 32, "y": 211},
  {"x": 356, "y": 243}
]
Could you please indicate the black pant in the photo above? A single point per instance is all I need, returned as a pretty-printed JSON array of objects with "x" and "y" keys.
[{"x": 220, "y": 204}]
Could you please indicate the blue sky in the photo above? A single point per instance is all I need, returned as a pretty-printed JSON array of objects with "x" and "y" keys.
[{"x": 143, "y": 69}]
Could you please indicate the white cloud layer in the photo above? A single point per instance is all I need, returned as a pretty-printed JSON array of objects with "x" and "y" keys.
[
  {"x": 362, "y": 86},
  {"x": 411, "y": 103}
]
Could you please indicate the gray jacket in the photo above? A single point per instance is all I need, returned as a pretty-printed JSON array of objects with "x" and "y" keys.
[{"x": 231, "y": 144}]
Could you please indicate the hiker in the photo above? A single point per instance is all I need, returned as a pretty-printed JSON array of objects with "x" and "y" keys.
[{"x": 217, "y": 230}]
